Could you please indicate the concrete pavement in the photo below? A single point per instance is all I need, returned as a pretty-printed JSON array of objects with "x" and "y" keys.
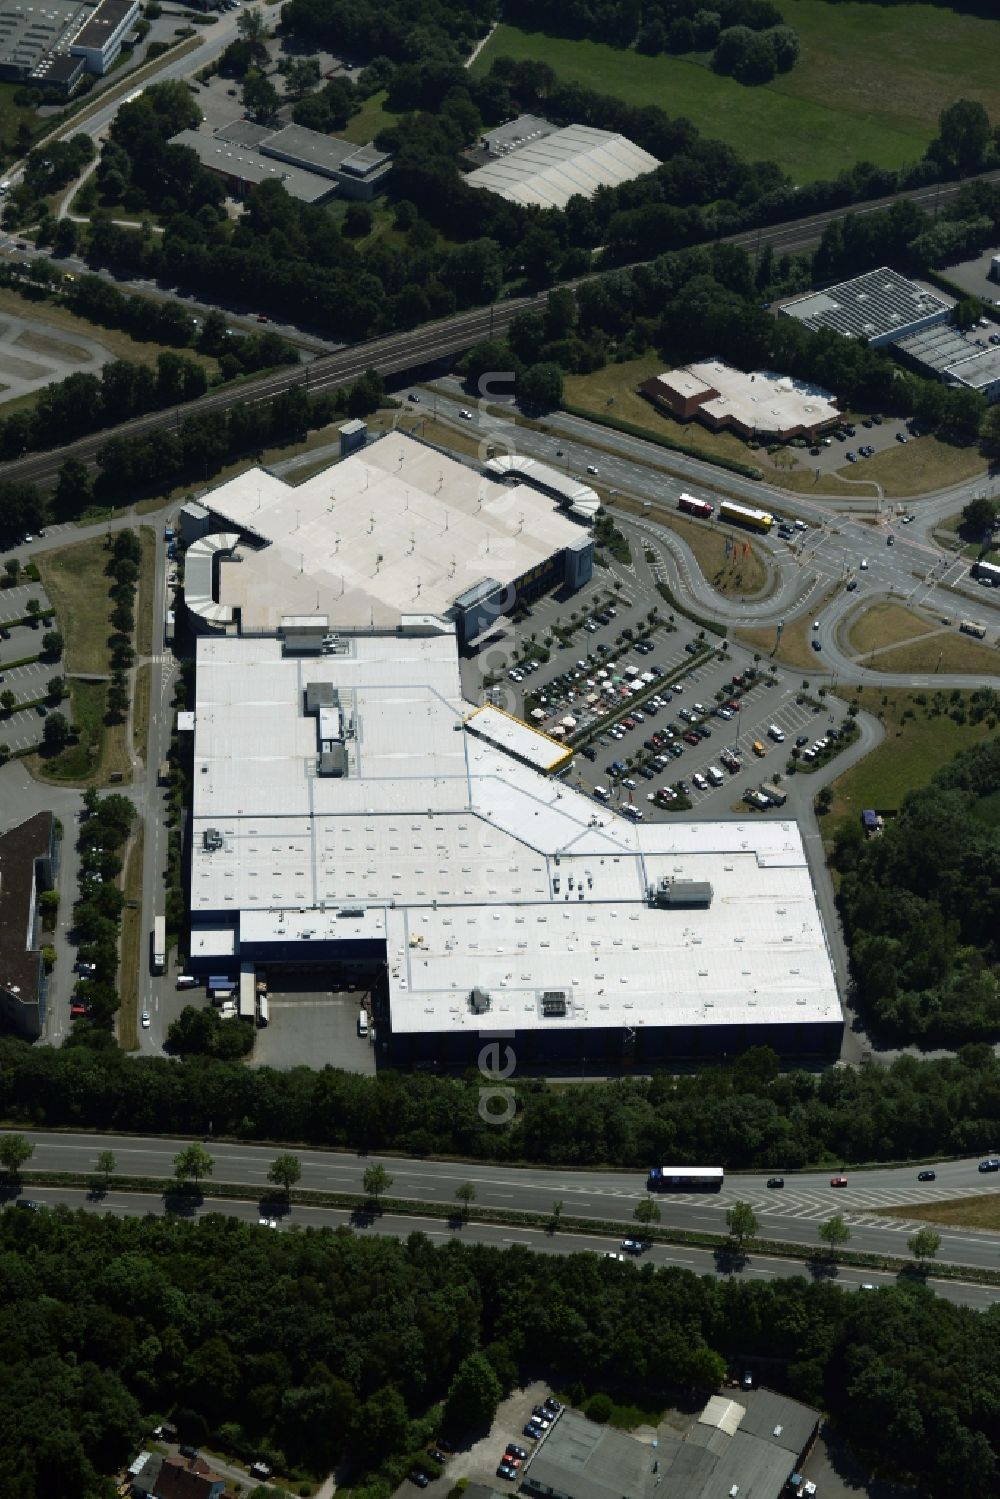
[{"x": 791, "y": 1216}]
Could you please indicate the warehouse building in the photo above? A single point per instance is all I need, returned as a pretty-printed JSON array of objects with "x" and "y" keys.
[
  {"x": 760, "y": 404},
  {"x": 880, "y": 307},
  {"x": 27, "y": 868},
  {"x": 311, "y": 166},
  {"x": 99, "y": 40},
  {"x": 349, "y": 805},
  {"x": 752, "y": 1448},
  {"x": 544, "y": 168},
  {"x": 35, "y": 41},
  {"x": 953, "y": 358},
  {"x": 395, "y": 533}
]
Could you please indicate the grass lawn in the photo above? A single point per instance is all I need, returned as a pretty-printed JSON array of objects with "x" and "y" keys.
[
  {"x": 903, "y": 470},
  {"x": 794, "y": 648},
  {"x": 964, "y": 1212},
  {"x": 98, "y": 749},
  {"x": 942, "y": 651},
  {"x": 869, "y": 85},
  {"x": 77, "y": 585},
  {"x": 919, "y": 741},
  {"x": 885, "y": 624},
  {"x": 741, "y": 574},
  {"x": 370, "y": 119},
  {"x": 52, "y": 319},
  {"x": 140, "y": 710},
  {"x": 145, "y": 592}
]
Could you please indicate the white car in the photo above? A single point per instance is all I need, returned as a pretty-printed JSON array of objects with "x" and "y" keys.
[
  {"x": 145, "y": 1020},
  {"x": 815, "y": 624},
  {"x": 864, "y": 564},
  {"x": 267, "y": 1222},
  {"x": 465, "y": 415},
  {"x": 699, "y": 780},
  {"x": 591, "y": 468}
]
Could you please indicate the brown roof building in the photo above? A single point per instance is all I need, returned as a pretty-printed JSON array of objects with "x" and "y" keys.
[
  {"x": 188, "y": 1478},
  {"x": 26, "y": 869}
]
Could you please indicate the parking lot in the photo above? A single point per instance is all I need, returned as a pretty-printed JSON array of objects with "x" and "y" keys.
[
  {"x": 21, "y": 731},
  {"x": 313, "y": 1027},
  {"x": 479, "y": 1461},
  {"x": 705, "y": 721},
  {"x": 853, "y": 437},
  {"x": 14, "y": 606},
  {"x": 29, "y": 682}
]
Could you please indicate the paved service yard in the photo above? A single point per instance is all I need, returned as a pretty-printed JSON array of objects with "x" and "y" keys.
[
  {"x": 34, "y": 354},
  {"x": 479, "y": 1462},
  {"x": 312, "y": 1027}
]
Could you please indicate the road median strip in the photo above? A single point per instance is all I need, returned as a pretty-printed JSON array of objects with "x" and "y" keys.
[{"x": 272, "y": 1201}]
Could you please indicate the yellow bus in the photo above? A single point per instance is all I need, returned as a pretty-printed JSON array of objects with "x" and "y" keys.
[{"x": 745, "y": 515}]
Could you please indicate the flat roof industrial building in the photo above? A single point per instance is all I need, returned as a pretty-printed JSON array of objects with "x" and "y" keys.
[
  {"x": 545, "y": 168},
  {"x": 749, "y": 1447},
  {"x": 312, "y": 166},
  {"x": 395, "y": 531},
  {"x": 880, "y": 307},
  {"x": 346, "y": 806},
  {"x": 33, "y": 36},
  {"x": 760, "y": 403},
  {"x": 954, "y": 358}
]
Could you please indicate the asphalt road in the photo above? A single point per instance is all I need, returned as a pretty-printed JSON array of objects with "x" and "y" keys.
[
  {"x": 698, "y": 1261},
  {"x": 790, "y": 1216}
]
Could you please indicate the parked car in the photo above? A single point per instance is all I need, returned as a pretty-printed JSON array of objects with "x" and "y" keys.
[
  {"x": 838, "y": 1181},
  {"x": 515, "y": 1451},
  {"x": 504, "y": 1470},
  {"x": 533, "y": 1430},
  {"x": 776, "y": 1181},
  {"x": 992, "y": 1163},
  {"x": 634, "y": 1246},
  {"x": 926, "y": 1176}
]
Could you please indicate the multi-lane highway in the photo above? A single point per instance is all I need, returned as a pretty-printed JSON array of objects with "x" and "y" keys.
[{"x": 790, "y": 1216}]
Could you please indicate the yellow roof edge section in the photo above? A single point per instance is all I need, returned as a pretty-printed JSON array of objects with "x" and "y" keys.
[{"x": 562, "y": 753}]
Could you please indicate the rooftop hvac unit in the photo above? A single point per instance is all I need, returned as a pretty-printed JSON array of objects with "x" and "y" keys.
[
  {"x": 211, "y": 840},
  {"x": 479, "y": 1002},
  {"x": 554, "y": 1003}
]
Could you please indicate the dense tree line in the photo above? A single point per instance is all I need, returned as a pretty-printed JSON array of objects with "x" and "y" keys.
[
  {"x": 103, "y": 835},
  {"x": 747, "y": 38},
  {"x": 315, "y": 1349},
  {"x": 921, "y": 909},
  {"x": 746, "y": 1115},
  {"x": 82, "y": 403}
]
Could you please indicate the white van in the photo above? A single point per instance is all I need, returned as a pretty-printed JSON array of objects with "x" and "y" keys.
[
  {"x": 715, "y": 775},
  {"x": 602, "y": 793},
  {"x": 363, "y": 1023},
  {"x": 186, "y": 981}
]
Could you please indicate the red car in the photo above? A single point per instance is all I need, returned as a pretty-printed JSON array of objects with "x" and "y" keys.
[
  {"x": 628, "y": 723},
  {"x": 76, "y": 1011},
  {"x": 838, "y": 1181},
  {"x": 692, "y": 739}
]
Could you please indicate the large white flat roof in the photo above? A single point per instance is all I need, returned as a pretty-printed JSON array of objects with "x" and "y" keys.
[
  {"x": 547, "y": 172},
  {"x": 473, "y": 868},
  {"x": 760, "y": 398},
  {"x": 395, "y": 529}
]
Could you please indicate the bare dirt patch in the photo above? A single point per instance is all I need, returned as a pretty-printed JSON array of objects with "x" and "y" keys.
[{"x": 41, "y": 343}]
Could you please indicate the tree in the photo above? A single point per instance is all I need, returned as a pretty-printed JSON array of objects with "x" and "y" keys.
[
  {"x": 989, "y": 437},
  {"x": 15, "y": 1150},
  {"x": 52, "y": 644},
  {"x": 56, "y": 689},
  {"x": 375, "y": 1181},
  {"x": 107, "y": 1166},
  {"x": 541, "y": 386},
  {"x": 557, "y": 1208},
  {"x": 924, "y": 1245},
  {"x": 647, "y": 1212},
  {"x": 260, "y": 97},
  {"x": 741, "y": 1221},
  {"x": 980, "y": 514},
  {"x": 193, "y": 1163},
  {"x": 33, "y": 608},
  {"x": 963, "y": 135},
  {"x": 834, "y": 1233},
  {"x": 473, "y": 1395},
  {"x": 12, "y": 568},
  {"x": 285, "y": 1171},
  {"x": 8, "y": 701},
  {"x": 251, "y": 24},
  {"x": 466, "y": 1195},
  {"x": 55, "y": 735},
  {"x": 301, "y": 74}
]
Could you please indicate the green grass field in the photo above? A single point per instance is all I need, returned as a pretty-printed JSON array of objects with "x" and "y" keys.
[
  {"x": 869, "y": 85},
  {"x": 917, "y": 744}
]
